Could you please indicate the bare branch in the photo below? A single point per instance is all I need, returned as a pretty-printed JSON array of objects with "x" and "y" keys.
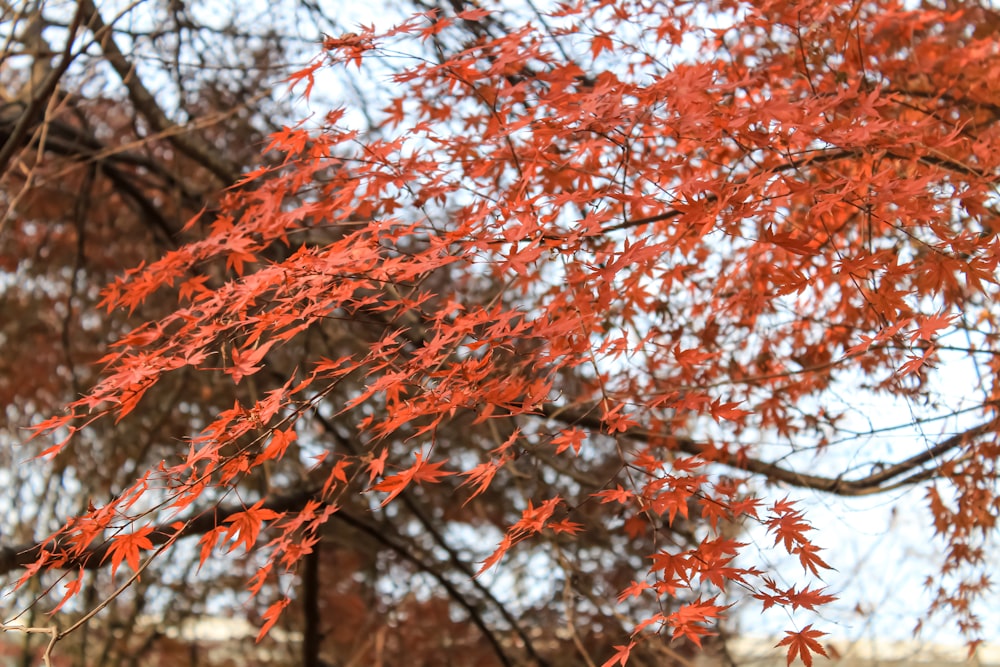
[{"x": 145, "y": 103}]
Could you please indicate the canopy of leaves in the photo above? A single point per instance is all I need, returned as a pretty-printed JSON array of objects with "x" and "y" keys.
[{"x": 517, "y": 356}]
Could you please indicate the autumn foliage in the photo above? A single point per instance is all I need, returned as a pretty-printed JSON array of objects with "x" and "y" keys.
[{"x": 590, "y": 288}]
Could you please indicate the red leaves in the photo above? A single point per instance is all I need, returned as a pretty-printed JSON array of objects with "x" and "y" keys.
[
  {"x": 648, "y": 266},
  {"x": 244, "y": 527},
  {"x": 481, "y": 476},
  {"x": 789, "y": 528},
  {"x": 727, "y": 411},
  {"x": 421, "y": 471},
  {"x": 533, "y": 520},
  {"x": 126, "y": 546},
  {"x": 277, "y": 446},
  {"x": 803, "y": 644},
  {"x": 245, "y": 362},
  {"x": 307, "y": 74},
  {"x": 621, "y": 655},
  {"x": 569, "y": 438},
  {"x": 616, "y": 495},
  {"x": 271, "y": 616},
  {"x": 72, "y": 587},
  {"x": 473, "y": 14},
  {"x": 600, "y": 42},
  {"x": 807, "y": 598},
  {"x": 689, "y": 620}
]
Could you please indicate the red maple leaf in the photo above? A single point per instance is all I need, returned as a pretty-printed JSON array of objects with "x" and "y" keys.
[
  {"x": 803, "y": 644},
  {"x": 420, "y": 471},
  {"x": 126, "y": 546},
  {"x": 245, "y": 526}
]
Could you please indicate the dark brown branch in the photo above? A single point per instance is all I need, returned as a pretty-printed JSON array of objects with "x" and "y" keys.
[
  {"x": 905, "y": 472},
  {"x": 145, "y": 103},
  {"x": 407, "y": 498},
  {"x": 13, "y": 558},
  {"x": 453, "y": 592},
  {"x": 311, "y": 637},
  {"x": 35, "y": 108}
]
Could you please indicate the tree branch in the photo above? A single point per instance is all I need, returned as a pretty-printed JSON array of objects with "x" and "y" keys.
[
  {"x": 885, "y": 479},
  {"x": 13, "y": 558},
  {"x": 145, "y": 103},
  {"x": 33, "y": 111}
]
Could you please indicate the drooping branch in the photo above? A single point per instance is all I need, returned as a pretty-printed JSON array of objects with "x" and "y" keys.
[{"x": 456, "y": 561}]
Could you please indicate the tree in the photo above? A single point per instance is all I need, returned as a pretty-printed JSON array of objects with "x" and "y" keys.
[{"x": 589, "y": 293}]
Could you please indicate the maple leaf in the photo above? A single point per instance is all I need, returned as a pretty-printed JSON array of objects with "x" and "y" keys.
[
  {"x": 245, "y": 361},
  {"x": 930, "y": 325},
  {"x": 420, "y": 471},
  {"x": 245, "y": 526},
  {"x": 308, "y": 74},
  {"x": 634, "y": 589},
  {"x": 600, "y": 42},
  {"x": 809, "y": 558},
  {"x": 72, "y": 589},
  {"x": 338, "y": 473},
  {"x": 271, "y": 616},
  {"x": 803, "y": 644},
  {"x": 808, "y": 598},
  {"x": 571, "y": 437},
  {"x": 208, "y": 542},
  {"x": 126, "y": 546},
  {"x": 505, "y": 544},
  {"x": 616, "y": 495},
  {"x": 686, "y": 620},
  {"x": 472, "y": 14},
  {"x": 565, "y": 526},
  {"x": 621, "y": 655},
  {"x": 533, "y": 519},
  {"x": 393, "y": 485},
  {"x": 277, "y": 446},
  {"x": 727, "y": 411},
  {"x": 481, "y": 476},
  {"x": 377, "y": 465}
]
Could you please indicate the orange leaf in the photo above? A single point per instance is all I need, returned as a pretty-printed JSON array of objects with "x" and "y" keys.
[
  {"x": 621, "y": 655},
  {"x": 420, "y": 471},
  {"x": 72, "y": 588},
  {"x": 803, "y": 644},
  {"x": 276, "y": 448},
  {"x": 271, "y": 617},
  {"x": 126, "y": 546},
  {"x": 601, "y": 42},
  {"x": 246, "y": 525}
]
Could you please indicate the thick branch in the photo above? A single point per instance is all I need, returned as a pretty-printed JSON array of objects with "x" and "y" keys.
[
  {"x": 13, "y": 558},
  {"x": 819, "y": 158},
  {"x": 905, "y": 472},
  {"x": 145, "y": 103},
  {"x": 311, "y": 635},
  {"x": 35, "y": 108}
]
